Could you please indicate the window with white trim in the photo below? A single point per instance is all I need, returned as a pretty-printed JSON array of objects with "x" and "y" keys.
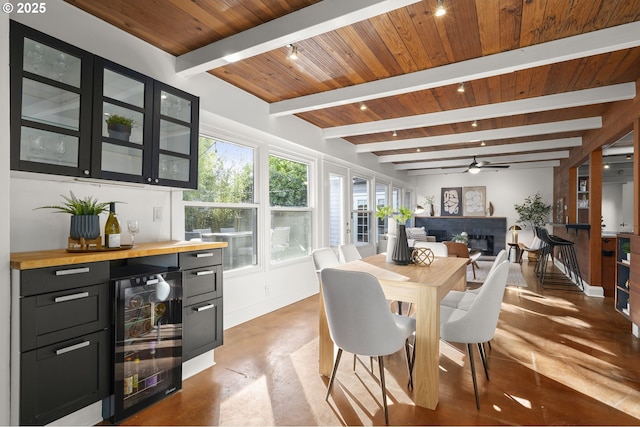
[
  {"x": 291, "y": 219},
  {"x": 361, "y": 213},
  {"x": 223, "y": 207}
]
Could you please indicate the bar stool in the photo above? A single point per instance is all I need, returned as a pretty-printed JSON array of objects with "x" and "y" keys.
[{"x": 566, "y": 254}]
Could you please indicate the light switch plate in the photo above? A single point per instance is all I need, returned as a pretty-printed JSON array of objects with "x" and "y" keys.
[{"x": 157, "y": 213}]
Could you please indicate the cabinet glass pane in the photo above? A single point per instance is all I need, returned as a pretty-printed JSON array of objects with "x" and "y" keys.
[
  {"x": 123, "y": 88},
  {"x": 50, "y": 105},
  {"x": 48, "y": 147},
  {"x": 174, "y": 168},
  {"x": 52, "y": 63},
  {"x": 174, "y": 106},
  {"x": 116, "y": 158},
  {"x": 135, "y": 135},
  {"x": 175, "y": 137}
]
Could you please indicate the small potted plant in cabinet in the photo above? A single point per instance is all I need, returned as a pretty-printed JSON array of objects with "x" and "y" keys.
[{"x": 119, "y": 127}]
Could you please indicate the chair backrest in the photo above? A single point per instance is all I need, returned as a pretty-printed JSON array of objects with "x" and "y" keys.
[
  {"x": 478, "y": 323},
  {"x": 457, "y": 249},
  {"x": 349, "y": 253},
  {"x": 358, "y": 315},
  {"x": 324, "y": 258},
  {"x": 500, "y": 258},
  {"x": 439, "y": 249}
]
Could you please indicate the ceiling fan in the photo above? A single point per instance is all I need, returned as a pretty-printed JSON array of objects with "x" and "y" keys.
[{"x": 476, "y": 166}]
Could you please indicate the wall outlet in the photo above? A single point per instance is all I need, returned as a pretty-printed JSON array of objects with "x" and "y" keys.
[{"x": 157, "y": 213}]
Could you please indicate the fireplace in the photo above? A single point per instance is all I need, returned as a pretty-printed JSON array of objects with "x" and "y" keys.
[{"x": 486, "y": 233}]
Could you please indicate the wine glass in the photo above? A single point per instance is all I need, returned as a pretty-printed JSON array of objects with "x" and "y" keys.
[{"x": 133, "y": 225}]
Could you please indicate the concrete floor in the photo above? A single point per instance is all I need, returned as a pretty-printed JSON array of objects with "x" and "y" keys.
[{"x": 558, "y": 358}]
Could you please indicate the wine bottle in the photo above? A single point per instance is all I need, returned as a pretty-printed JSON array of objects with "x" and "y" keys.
[
  {"x": 136, "y": 373},
  {"x": 128, "y": 377},
  {"x": 112, "y": 228}
]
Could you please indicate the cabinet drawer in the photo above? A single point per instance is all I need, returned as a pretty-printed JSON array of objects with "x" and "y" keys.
[
  {"x": 199, "y": 259},
  {"x": 62, "y": 378},
  {"x": 51, "y": 279},
  {"x": 56, "y": 316},
  {"x": 200, "y": 281},
  {"x": 202, "y": 328}
]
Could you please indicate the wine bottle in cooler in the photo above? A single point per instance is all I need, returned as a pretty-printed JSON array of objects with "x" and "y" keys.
[{"x": 112, "y": 228}]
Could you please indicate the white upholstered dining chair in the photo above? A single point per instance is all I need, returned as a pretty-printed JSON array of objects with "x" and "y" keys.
[
  {"x": 439, "y": 249},
  {"x": 349, "y": 252},
  {"x": 360, "y": 322},
  {"x": 477, "y": 324}
]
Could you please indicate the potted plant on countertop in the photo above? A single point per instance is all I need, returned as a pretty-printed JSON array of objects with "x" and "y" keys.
[
  {"x": 119, "y": 127},
  {"x": 85, "y": 222}
]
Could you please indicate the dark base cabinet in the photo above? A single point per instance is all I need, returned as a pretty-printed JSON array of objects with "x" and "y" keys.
[
  {"x": 202, "y": 313},
  {"x": 59, "y": 379},
  {"x": 202, "y": 328}
]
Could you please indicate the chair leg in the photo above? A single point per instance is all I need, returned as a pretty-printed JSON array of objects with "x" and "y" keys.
[
  {"x": 473, "y": 374},
  {"x": 333, "y": 373},
  {"x": 384, "y": 390},
  {"x": 409, "y": 363},
  {"x": 473, "y": 267},
  {"x": 483, "y": 356}
]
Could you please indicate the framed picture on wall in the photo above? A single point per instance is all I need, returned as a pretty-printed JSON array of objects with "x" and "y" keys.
[
  {"x": 474, "y": 201},
  {"x": 451, "y": 198}
]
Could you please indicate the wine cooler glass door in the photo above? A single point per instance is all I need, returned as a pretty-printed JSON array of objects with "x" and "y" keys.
[{"x": 148, "y": 347}]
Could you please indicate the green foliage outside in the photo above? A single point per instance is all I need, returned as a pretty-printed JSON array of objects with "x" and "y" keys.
[
  {"x": 287, "y": 183},
  {"x": 218, "y": 182}
]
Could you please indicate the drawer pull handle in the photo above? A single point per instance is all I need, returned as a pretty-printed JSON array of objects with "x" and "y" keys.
[
  {"x": 204, "y": 307},
  {"x": 204, "y": 272},
  {"x": 73, "y": 347},
  {"x": 152, "y": 282},
  {"x": 71, "y": 297},
  {"x": 72, "y": 271},
  {"x": 204, "y": 255}
]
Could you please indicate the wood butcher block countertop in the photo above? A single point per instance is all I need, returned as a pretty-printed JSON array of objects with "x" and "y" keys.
[{"x": 56, "y": 257}]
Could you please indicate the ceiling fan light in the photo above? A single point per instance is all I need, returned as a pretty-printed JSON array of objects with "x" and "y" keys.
[
  {"x": 440, "y": 10},
  {"x": 474, "y": 169}
]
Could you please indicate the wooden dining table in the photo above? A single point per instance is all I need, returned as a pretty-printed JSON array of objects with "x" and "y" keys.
[{"x": 424, "y": 286}]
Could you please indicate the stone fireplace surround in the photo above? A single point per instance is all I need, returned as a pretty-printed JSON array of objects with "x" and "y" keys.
[{"x": 486, "y": 233}]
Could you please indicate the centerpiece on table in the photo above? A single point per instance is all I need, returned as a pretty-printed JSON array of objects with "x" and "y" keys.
[
  {"x": 84, "y": 229},
  {"x": 401, "y": 254}
]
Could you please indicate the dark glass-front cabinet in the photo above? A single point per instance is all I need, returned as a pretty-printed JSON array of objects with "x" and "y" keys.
[
  {"x": 77, "y": 114},
  {"x": 50, "y": 104}
]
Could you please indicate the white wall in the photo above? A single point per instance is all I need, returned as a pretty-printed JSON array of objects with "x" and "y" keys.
[
  {"x": 617, "y": 207},
  {"x": 504, "y": 188}
]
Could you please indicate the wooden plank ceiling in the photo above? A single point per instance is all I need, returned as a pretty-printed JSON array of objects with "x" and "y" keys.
[{"x": 537, "y": 74}]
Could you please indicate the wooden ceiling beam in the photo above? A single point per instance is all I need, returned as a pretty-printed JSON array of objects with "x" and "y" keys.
[
  {"x": 529, "y": 165},
  {"x": 302, "y": 24},
  {"x": 510, "y": 132},
  {"x": 496, "y": 160},
  {"x": 559, "y": 101},
  {"x": 549, "y": 144},
  {"x": 580, "y": 46}
]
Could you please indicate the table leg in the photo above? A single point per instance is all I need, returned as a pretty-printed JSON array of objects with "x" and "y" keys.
[
  {"x": 325, "y": 343},
  {"x": 426, "y": 376}
]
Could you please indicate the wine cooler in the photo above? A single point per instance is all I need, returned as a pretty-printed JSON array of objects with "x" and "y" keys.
[{"x": 148, "y": 338}]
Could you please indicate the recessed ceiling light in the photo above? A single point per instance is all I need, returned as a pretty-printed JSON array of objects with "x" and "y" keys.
[
  {"x": 417, "y": 150},
  {"x": 394, "y": 133},
  {"x": 483, "y": 143},
  {"x": 474, "y": 124},
  {"x": 440, "y": 10},
  {"x": 606, "y": 166},
  {"x": 294, "y": 52},
  {"x": 363, "y": 107},
  {"x": 461, "y": 88}
]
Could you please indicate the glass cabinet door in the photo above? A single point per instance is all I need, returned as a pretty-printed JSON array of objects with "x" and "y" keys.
[
  {"x": 50, "y": 104},
  {"x": 176, "y": 134},
  {"x": 122, "y": 123}
]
